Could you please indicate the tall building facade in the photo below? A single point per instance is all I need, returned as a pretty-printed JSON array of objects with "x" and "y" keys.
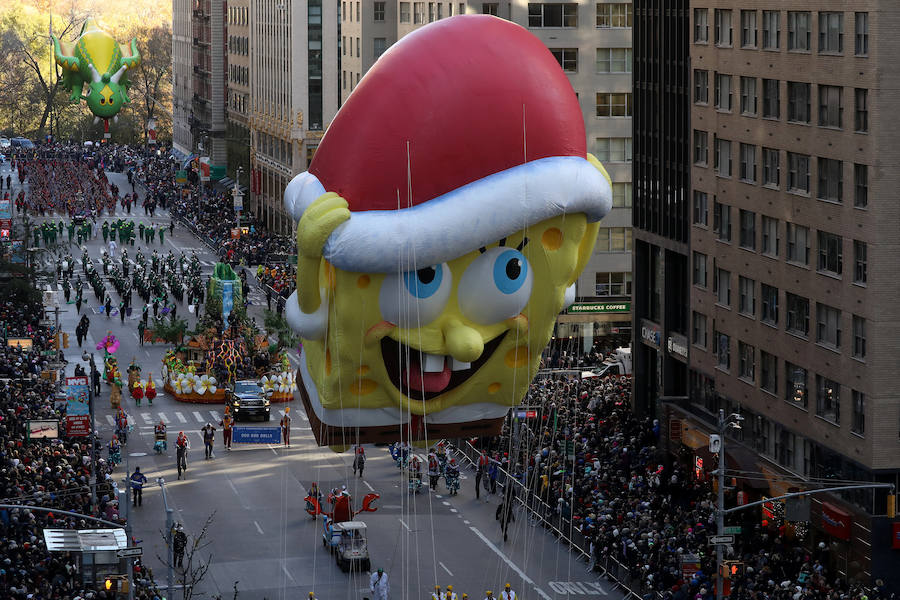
[
  {"x": 208, "y": 68},
  {"x": 237, "y": 126},
  {"x": 661, "y": 202},
  {"x": 293, "y": 78},
  {"x": 793, "y": 176},
  {"x": 593, "y": 43},
  {"x": 182, "y": 76}
]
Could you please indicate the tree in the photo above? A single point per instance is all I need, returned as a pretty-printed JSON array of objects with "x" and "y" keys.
[
  {"x": 171, "y": 330},
  {"x": 151, "y": 84},
  {"x": 195, "y": 567}
]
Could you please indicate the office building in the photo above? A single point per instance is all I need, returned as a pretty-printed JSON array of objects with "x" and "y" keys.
[
  {"x": 182, "y": 77},
  {"x": 237, "y": 126}
]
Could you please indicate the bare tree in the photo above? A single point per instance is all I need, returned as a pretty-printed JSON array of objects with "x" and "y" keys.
[{"x": 195, "y": 567}]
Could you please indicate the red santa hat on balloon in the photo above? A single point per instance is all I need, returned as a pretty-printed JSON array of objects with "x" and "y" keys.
[{"x": 462, "y": 133}]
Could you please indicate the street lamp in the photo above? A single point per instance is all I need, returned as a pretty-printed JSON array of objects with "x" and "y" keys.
[
  {"x": 238, "y": 196},
  {"x": 733, "y": 421},
  {"x": 88, "y": 357}
]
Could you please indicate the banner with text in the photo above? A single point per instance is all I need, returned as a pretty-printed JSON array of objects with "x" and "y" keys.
[
  {"x": 78, "y": 410},
  {"x": 256, "y": 435}
]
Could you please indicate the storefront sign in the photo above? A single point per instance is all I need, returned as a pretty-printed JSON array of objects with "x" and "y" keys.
[
  {"x": 600, "y": 307},
  {"x": 78, "y": 419},
  {"x": 677, "y": 344},
  {"x": 835, "y": 521},
  {"x": 256, "y": 435},
  {"x": 650, "y": 333}
]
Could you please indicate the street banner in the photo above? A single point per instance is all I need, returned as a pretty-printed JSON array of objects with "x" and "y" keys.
[
  {"x": 78, "y": 411},
  {"x": 204, "y": 168},
  {"x": 256, "y": 435},
  {"x": 6, "y": 209},
  {"x": 18, "y": 252},
  {"x": 181, "y": 176}
]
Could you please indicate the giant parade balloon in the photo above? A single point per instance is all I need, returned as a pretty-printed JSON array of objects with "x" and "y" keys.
[
  {"x": 96, "y": 59},
  {"x": 442, "y": 226}
]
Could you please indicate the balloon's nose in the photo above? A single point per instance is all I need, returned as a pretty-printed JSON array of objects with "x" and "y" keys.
[{"x": 463, "y": 342}]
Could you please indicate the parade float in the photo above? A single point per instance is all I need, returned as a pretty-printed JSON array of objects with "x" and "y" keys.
[{"x": 226, "y": 347}]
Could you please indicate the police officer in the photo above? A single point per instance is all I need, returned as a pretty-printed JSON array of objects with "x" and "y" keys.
[{"x": 137, "y": 487}]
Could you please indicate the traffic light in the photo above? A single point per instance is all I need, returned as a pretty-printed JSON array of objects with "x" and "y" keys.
[
  {"x": 65, "y": 340},
  {"x": 54, "y": 343},
  {"x": 110, "y": 584},
  {"x": 736, "y": 570}
]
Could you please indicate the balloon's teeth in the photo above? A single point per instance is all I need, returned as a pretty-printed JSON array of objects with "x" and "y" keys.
[{"x": 434, "y": 363}]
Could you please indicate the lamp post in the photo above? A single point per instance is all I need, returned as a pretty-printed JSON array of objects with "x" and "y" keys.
[
  {"x": 238, "y": 196},
  {"x": 732, "y": 421},
  {"x": 89, "y": 358}
]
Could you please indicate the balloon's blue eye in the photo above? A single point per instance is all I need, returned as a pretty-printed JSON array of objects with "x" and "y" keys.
[
  {"x": 510, "y": 271},
  {"x": 424, "y": 282}
]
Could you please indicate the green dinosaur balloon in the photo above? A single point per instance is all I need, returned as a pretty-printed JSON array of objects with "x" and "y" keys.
[{"x": 96, "y": 59}]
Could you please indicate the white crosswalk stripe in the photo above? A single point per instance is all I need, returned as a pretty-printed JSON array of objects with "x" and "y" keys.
[
  {"x": 197, "y": 416},
  {"x": 303, "y": 416},
  {"x": 147, "y": 418},
  {"x": 112, "y": 422},
  {"x": 180, "y": 417},
  {"x": 215, "y": 415},
  {"x": 164, "y": 418}
]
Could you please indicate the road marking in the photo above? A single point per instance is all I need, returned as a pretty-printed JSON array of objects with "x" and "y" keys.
[
  {"x": 371, "y": 489},
  {"x": 402, "y": 522},
  {"x": 438, "y": 496},
  {"x": 511, "y": 564},
  {"x": 281, "y": 412},
  {"x": 112, "y": 422},
  {"x": 568, "y": 588},
  {"x": 443, "y": 566},
  {"x": 445, "y": 503},
  {"x": 258, "y": 528},
  {"x": 197, "y": 416},
  {"x": 453, "y": 510},
  {"x": 465, "y": 522},
  {"x": 215, "y": 415},
  {"x": 284, "y": 568},
  {"x": 180, "y": 417},
  {"x": 164, "y": 418},
  {"x": 146, "y": 417}
]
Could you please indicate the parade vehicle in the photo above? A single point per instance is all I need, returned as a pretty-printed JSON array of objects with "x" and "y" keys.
[
  {"x": 347, "y": 541},
  {"x": 248, "y": 399},
  {"x": 4, "y": 143},
  {"x": 618, "y": 364}
]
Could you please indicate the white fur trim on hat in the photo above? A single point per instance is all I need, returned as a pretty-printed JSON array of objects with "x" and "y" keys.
[{"x": 462, "y": 220}]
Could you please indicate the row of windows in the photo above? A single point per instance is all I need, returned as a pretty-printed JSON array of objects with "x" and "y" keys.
[
  {"x": 755, "y": 167},
  {"x": 765, "y": 100},
  {"x": 238, "y": 74},
  {"x": 829, "y": 246},
  {"x": 435, "y": 11},
  {"x": 238, "y": 45},
  {"x": 800, "y": 34},
  {"x": 239, "y": 15},
  {"x": 609, "y": 285},
  {"x": 239, "y": 103},
  {"x": 614, "y": 104},
  {"x": 565, "y": 15},
  {"x": 354, "y": 79},
  {"x": 613, "y": 239},
  {"x": 608, "y": 60},
  {"x": 758, "y": 367}
]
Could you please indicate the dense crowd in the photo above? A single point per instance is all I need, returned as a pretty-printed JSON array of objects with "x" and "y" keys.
[
  {"x": 603, "y": 473},
  {"x": 278, "y": 281},
  {"x": 46, "y": 473}
]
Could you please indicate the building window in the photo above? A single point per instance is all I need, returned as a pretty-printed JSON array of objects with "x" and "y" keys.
[
  {"x": 798, "y": 102},
  {"x": 357, "y": 56},
  {"x": 419, "y": 13},
  {"x": 831, "y": 106},
  {"x": 828, "y": 326},
  {"x": 860, "y": 186},
  {"x": 613, "y": 150},
  {"x": 770, "y": 236},
  {"x": 723, "y": 350},
  {"x": 621, "y": 195},
  {"x": 613, "y": 284},
  {"x": 799, "y": 29},
  {"x": 858, "y": 417},
  {"x": 797, "y": 314},
  {"x": 747, "y": 296},
  {"x": 797, "y": 244},
  {"x": 613, "y": 105},
  {"x": 357, "y": 16},
  {"x": 748, "y": 96},
  {"x": 796, "y": 386},
  {"x": 701, "y": 26},
  {"x": 798, "y": 173},
  {"x": 490, "y": 8},
  {"x": 747, "y": 354},
  {"x": 723, "y": 287},
  {"x": 699, "y": 277},
  {"x": 698, "y": 330},
  {"x": 861, "y": 114},
  {"x": 614, "y": 15},
  {"x": 830, "y": 180},
  {"x": 831, "y": 254},
  {"x": 723, "y": 92},
  {"x": 566, "y": 57},
  {"x": 701, "y": 208},
  {"x": 462, "y": 8},
  {"x": 828, "y": 399},
  {"x": 722, "y": 221},
  {"x": 831, "y": 32},
  {"x": 768, "y": 367},
  {"x": 724, "y": 32},
  {"x": 378, "y": 12},
  {"x": 748, "y": 229},
  {"x": 769, "y": 304},
  {"x": 404, "y": 12},
  {"x": 859, "y": 337},
  {"x": 613, "y": 239},
  {"x": 748, "y": 163},
  {"x": 614, "y": 60},
  {"x": 701, "y": 147},
  {"x": 860, "y": 262},
  {"x": 542, "y": 14},
  {"x": 723, "y": 157},
  {"x": 748, "y": 29},
  {"x": 379, "y": 45},
  {"x": 771, "y": 29},
  {"x": 701, "y": 86},
  {"x": 862, "y": 34},
  {"x": 771, "y": 99}
]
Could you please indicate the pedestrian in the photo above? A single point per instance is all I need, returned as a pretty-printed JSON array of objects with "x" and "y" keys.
[
  {"x": 359, "y": 460},
  {"x": 137, "y": 487},
  {"x": 179, "y": 543},
  {"x": 209, "y": 436},
  {"x": 181, "y": 447},
  {"x": 378, "y": 584},
  {"x": 508, "y": 593},
  {"x": 95, "y": 378},
  {"x": 141, "y": 329},
  {"x": 493, "y": 473},
  {"x": 286, "y": 427},
  {"x": 481, "y": 467},
  {"x": 108, "y": 306},
  {"x": 227, "y": 423}
]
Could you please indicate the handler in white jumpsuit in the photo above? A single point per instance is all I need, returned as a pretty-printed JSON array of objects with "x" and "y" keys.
[{"x": 378, "y": 585}]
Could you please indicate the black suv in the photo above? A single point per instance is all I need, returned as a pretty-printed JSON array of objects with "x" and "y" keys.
[{"x": 247, "y": 399}]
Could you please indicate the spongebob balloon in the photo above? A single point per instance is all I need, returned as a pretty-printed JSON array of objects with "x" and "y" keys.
[
  {"x": 442, "y": 225},
  {"x": 96, "y": 59}
]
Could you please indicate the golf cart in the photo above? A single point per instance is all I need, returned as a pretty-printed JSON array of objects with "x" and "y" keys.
[{"x": 347, "y": 541}]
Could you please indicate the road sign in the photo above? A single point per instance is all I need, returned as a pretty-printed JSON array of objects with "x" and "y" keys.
[
  {"x": 46, "y": 322},
  {"x": 717, "y": 540},
  {"x": 56, "y": 366},
  {"x": 129, "y": 552},
  {"x": 734, "y": 529}
]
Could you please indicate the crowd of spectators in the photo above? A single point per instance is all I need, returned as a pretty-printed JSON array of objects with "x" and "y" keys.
[
  {"x": 51, "y": 473},
  {"x": 277, "y": 280},
  {"x": 602, "y": 475}
]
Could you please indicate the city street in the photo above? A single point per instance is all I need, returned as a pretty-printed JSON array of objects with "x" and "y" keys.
[{"x": 261, "y": 539}]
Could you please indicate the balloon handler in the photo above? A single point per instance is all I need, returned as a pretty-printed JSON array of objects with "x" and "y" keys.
[{"x": 434, "y": 254}]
